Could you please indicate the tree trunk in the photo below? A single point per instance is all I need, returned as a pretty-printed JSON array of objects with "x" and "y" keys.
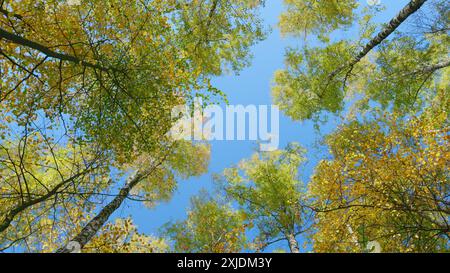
[
  {"x": 408, "y": 10},
  {"x": 102, "y": 217},
  {"x": 293, "y": 244}
]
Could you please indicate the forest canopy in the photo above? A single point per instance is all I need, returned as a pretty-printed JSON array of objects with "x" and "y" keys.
[{"x": 87, "y": 95}]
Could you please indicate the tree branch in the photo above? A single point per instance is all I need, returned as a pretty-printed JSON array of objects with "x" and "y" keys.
[
  {"x": 50, "y": 53},
  {"x": 13, "y": 213}
]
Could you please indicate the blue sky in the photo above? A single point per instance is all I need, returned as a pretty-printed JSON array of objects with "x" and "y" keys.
[{"x": 252, "y": 86}]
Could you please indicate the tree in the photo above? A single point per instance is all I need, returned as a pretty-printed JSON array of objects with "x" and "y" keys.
[
  {"x": 267, "y": 188},
  {"x": 211, "y": 227},
  {"x": 40, "y": 180},
  {"x": 119, "y": 77},
  {"x": 107, "y": 75},
  {"x": 398, "y": 72},
  {"x": 387, "y": 182},
  {"x": 155, "y": 180}
]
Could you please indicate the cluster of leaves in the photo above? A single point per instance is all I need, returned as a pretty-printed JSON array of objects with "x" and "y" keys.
[
  {"x": 178, "y": 163},
  {"x": 123, "y": 237},
  {"x": 312, "y": 16},
  {"x": 210, "y": 227},
  {"x": 388, "y": 180}
]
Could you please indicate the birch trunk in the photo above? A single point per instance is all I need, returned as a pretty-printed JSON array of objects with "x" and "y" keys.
[
  {"x": 407, "y": 11},
  {"x": 98, "y": 221},
  {"x": 293, "y": 244}
]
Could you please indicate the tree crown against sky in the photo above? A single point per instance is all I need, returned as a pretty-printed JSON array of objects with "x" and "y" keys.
[
  {"x": 101, "y": 78},
  {"x": 86, "y": 97},
  {"x": 395, "y": 64}
]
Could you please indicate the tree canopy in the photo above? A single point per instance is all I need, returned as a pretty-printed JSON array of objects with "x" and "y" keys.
[
  {"x": 87, "y": 94},
  {"x": 391, "y": 64}
]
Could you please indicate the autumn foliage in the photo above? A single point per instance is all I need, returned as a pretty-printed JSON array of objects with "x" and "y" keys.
[{"x": 87, "y": 90}]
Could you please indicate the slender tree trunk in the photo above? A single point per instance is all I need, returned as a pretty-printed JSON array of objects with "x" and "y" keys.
[
  {"x": 293, "y": 244},
  {"x": 407, "y": 11},
  {"x": 102, "y": 217}
]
